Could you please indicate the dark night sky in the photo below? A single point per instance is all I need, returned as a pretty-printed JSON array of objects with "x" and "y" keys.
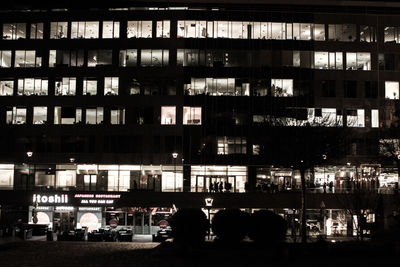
[{"x": 75, "y": 4}]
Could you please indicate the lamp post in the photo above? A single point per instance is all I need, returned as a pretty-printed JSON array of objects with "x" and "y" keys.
[
  {"x": 174, "y": 155},
  {"x": 29, "y": 154},
  {"x": 209, "y": 202}
]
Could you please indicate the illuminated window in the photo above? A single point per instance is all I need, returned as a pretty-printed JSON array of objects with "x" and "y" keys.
[
  {"x": 58, "y": 30},
  {"x": 31, "y": 86},
  {"x": 110, "y": 29},
  {"x": 27, "y": 59},
  {"x": 231, "y": 145},
  {"x": 163, "y": 29},
  {"x": 358, "y": 61},
  {"x": 65, "y": 86},
  {"x": 111, "y": 85},
  {"x": 128, "y": 58},
  {"x": 374, "y": 118},
  {"x": 367, "y": 34},
  {"x": 391, "y": 90},
  {"x": 154, "y": 57},
  {"x": 6, "y": 88},
  {"x": 66, "y": 58},
  {"x": 6, "y": 176},
  {"x": 342, "y": 32},
  {"x": 67, "y": 115},
  {"x": 99, "y": 58},
  {"x": 16, "y": 115},
  {"x": 356, "y": 118},
  {"x": 39, "y": 115},
  {"x": 36, "y": 30},
  {"x": 84, "y": 29},
  {"x": 94, "y": 115},
  {"x": 282, "y": 87},
  {"x": 117, "y": 116},
  {"x": 168, "y": 115},
  {"x": 5, "y": 58},
  {"x": 192, "y": 115},
  {"x": 89, "y": 86},
  {"x": 139, "y": 29},
  {"x": 14, "y": 31}
]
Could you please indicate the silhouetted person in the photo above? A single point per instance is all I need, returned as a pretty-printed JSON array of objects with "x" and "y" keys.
[
  {"x": 264, "y": 187},
  {"x": 216, "y": 187},
  {"x": 330, "y": 186},
  {"x": 211, "y": 187},
  {"x": 221, "y": 187},
  {"x": 134, "y": 185},
  {"x": 246, "y": 186},
  {"x": 324, "y": 186}
]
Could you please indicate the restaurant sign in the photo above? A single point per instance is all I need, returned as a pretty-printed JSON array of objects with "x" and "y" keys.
[{"x": 97, "y": 199}]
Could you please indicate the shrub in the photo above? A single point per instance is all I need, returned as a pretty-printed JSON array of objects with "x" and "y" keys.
[
  {"x": 189, "y": 226},
  {"x": 267, "y": 227},
  {"x": 230, "y": 225}
]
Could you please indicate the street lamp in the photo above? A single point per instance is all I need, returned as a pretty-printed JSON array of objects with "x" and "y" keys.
[
  {"x": 174, "y": 155},
  {"x": 209, "y": 202}
]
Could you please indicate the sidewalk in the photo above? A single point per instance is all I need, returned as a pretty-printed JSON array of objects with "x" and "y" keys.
[{"x": 9, "y": 239}]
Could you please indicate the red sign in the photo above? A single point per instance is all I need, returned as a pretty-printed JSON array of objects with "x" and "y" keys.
[
  {"x": 113, "y": 223},
  {"x": 163, "y": 223}
]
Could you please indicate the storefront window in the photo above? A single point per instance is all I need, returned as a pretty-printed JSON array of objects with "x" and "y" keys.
[
  {"x": 172, "y": 182},
  {"x": 218, "y": 179}
]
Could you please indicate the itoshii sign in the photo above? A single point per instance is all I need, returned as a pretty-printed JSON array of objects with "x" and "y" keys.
[{"x": 50, "y": 198}]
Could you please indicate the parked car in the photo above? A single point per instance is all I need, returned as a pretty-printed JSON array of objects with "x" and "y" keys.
[{"x": 162, "y": 234}]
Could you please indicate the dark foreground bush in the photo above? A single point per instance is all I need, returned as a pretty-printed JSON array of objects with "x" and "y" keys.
[
  {"x": 189, "y": 226},
  {"x": 267, "y": 227},
  {"x": 231, "y": 225}
]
